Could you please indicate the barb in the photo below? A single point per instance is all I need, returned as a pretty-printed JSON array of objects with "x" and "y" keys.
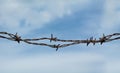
[{"x": 34, "y": 41}]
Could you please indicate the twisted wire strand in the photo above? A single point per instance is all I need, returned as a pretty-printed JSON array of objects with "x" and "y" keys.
[{"x": 101, "y": 40}]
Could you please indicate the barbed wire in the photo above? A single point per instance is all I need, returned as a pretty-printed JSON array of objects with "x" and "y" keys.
[{"x": 34, "y": 41}]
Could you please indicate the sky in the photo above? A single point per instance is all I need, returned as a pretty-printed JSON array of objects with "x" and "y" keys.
[{"x": 66, "y": 19}]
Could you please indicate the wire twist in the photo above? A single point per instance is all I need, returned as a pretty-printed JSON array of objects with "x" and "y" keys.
[{"x": 101, "y": 40}]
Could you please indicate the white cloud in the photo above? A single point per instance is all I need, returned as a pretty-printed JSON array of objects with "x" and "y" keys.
[
  {"x": 27, "y": 15},
  {"x": 36, "y": 13},
  {"x": 54, "y": 63},
  {"x": 113, "y": 66},
  {"x": 111, "y": 17}
]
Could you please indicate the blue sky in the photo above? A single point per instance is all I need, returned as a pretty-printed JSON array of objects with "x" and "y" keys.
[{"x": 66, "y": 19}]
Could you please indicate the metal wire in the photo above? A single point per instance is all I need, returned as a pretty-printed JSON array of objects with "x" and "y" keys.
[{"x": 34, "y": 41}]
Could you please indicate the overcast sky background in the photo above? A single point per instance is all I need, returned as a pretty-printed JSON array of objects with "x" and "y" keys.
[{"x": 66, "y": 19}]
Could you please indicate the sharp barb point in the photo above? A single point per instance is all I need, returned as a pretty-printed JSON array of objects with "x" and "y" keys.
[
  {"x": 34, "y": 41},
  {"x": 51, "y": 38}
]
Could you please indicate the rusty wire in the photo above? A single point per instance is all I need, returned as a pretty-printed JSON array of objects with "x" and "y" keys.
[{"x": 34, "y": 41}]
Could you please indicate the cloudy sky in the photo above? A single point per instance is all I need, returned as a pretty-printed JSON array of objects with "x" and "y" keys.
[{"x": 66, "y": 19}]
